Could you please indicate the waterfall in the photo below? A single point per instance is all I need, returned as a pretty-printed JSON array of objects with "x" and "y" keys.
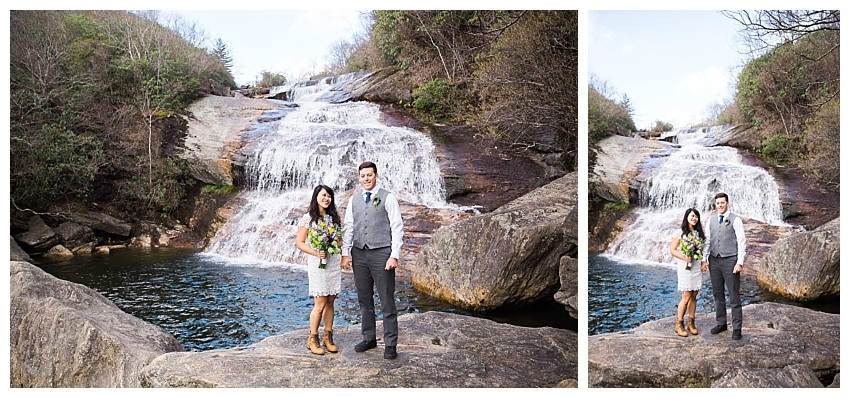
[
  {"x": 321, "y": 143},
  {"x": 690, "y": 177}
]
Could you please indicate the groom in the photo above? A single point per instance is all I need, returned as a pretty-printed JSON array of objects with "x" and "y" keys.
[
  {"x": 372, "y": 241},
  {"x": 725, "y": 250}
]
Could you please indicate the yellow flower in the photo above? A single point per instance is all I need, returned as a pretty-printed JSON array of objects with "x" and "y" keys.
[{"x": 331, "y": 229}]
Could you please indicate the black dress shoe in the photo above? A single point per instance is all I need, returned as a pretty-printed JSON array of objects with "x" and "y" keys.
[
  {"x": 736, "y": 334},
  {"x": 389, "y": 352},
  {"x": 718, "y": 329},
  {"x": 365, "y": 345}
]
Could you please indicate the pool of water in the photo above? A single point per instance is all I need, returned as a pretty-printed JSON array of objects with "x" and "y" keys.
[
  {"x": 622, "y": 296},
  {"x": 208, "y": 303}
]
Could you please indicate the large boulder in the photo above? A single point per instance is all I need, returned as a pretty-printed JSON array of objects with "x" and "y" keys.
[
  {"x": 618, "y": 162},
  {"x": 777, "y": 340},
  {"x": 508, "y": 258},
  {"x": 102, "y": 222},
  {"x": 804, "y": 266},
  {"x": 215, "y": 130},
  {"x": 75, "y": 235},
  {"x": 66, "y": 335},
  {"x": 38, "y": 236},
  {"x": 436, "y": 349}
]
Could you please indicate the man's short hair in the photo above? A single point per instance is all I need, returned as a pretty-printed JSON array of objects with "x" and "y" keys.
[
  {"x": 722, "y": 195},
  {"x": 366, "y": 165}
]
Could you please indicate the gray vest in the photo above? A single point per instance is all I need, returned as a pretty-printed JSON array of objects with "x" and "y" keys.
[
  {"x": 371, "y": 221},
  {"x": 724, "y": 242}
]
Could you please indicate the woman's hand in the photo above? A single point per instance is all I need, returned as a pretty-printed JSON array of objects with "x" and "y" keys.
[
  {"x": 687, "y": 259},
  {"x": 320, "y": 254}
]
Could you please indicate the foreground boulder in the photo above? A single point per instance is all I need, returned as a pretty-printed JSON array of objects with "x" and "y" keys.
[
  {"x": 508, "y": 258},
  {"x": 435, "y": 349},
  {"x": 805, "y": 266},
  {"x": 782, "y": 345},
  {"x": 66, "y": 335}
]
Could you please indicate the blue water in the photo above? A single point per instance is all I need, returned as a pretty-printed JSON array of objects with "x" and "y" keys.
[
  {"x": 210, "y": 304},
  {"x": 622, "y": 296}
]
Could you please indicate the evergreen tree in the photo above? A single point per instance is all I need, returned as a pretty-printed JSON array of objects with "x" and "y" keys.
[{"x": 220, "y": 50}]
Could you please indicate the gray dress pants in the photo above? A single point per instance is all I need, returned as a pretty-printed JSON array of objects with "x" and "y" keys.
[
  {"x": 369, "y": 270},
  {"x": 720, "y": 270}
]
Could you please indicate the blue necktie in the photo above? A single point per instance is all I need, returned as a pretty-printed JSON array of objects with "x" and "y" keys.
[
  {"x": 368, "y": 196},
  {"x": 721, "y": 218}
]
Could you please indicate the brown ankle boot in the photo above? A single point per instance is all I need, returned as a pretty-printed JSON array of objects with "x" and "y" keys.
[
  {"x": 692, "y": 328},
  {"x": 680, "y": 329},
  {"x": 328, "y": 339},
  {"x": 313, "y": 344}
]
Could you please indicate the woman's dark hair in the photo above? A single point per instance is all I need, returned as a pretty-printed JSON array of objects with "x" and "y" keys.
[
  {"x": 314, "y": 205},
  {"x": 686, "y": 229}
]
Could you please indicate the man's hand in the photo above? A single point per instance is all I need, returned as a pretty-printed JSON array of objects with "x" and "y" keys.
[
  {"x": 738, "y": 268},
  {"x": 392, "y": 263},
  {"x": 345, "y": 263}
]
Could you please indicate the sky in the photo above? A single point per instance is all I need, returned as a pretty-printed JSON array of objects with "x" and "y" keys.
[
  {"x": 672, "y": 65},
  {"x": 291, "y": 43}
]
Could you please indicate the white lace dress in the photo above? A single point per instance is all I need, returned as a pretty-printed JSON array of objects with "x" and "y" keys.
[
  {"x": 689, "y": 280},
  {"x": 322, "y": 282}
]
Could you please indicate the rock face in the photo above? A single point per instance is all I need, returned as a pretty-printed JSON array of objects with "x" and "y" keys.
[
  {"x": 102, "y": 222},
  {"x": 510, "y": 257},
  {"x": 804, "y": 266},
  {"x": 568, "y": 294},
  {"x": 16, "y": 253},
  {"x": 618, "y": 162},
  {"x": 67, "y": 335},
  {"x": 779, "y": 342},
  {"x": 215, "y": 133},
  {"x": 436, "y": 349},
  {"x": 388, "y": 85},
  {"x": 39, "y": 236},
  {"x": 474, "y": 172}
]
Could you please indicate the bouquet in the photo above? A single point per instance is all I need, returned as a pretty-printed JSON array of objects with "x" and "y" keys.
[
  {"x": 325, "y": 236},
  {"x": 691, "y": 246}
]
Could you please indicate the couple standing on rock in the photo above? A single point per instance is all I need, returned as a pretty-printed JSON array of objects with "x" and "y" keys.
[
  {"x": 370, "y": 247},
  {"x": 724, "y": 246}
]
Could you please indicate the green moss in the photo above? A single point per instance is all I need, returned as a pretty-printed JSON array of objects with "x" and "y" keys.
[
  {"x": 220, "y": 190},
  {"x": 617, "y": 206}
]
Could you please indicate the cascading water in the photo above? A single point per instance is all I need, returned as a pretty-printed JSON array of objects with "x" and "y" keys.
[
  {"x": 321, "y": 143},
  {"x": 690, "y": 177}
]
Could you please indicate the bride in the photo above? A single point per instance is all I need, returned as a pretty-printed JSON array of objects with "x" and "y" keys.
[
  {"x": 687, "y": 248},
  {"x": 324, "y": 282}
]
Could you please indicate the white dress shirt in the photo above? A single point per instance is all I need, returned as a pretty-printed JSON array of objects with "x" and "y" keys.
[{"x": 396, "y": 223}]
